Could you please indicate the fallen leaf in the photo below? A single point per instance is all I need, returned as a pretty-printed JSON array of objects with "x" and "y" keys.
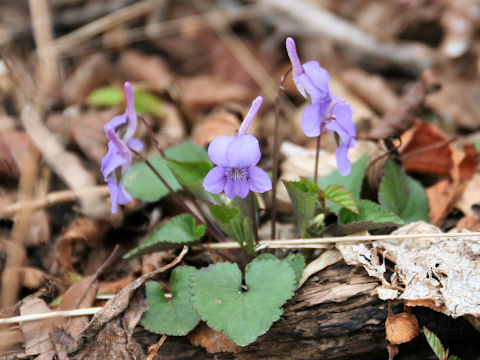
[
  {"x": 327, "y": 258},
  {"x": 470, "y": 196},
  {"x": 37, "y": 333},
  {"x": 149, "y": 69},
  {"x": 114, "y": 286},
  {"x": 218, "y": 123},
  {"x": 93, "y": 72},
  {"x": 29, "y": 277},
  {"x": 8, "y": 165},
  {"x": 426, "y": 303},
  {"x": 471, "y": 223},
  {"x": 402, "y": 116},
  {"x": 87, "y": 132},
  {"x": 425, "y": 149},
  {"x": 440, "y": 201},
  {"x": 203, "y": 92},
  {"x": 469, "y": 163},
  {"x": 212, "y": 340},
  {"x": 79, "y": 295},
  {"x": 401, "y": 328},
  {"x": 81, "y": 235}
]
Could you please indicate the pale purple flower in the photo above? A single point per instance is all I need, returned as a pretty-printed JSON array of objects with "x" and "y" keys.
[
  {"x": 326, "y": 111},
  {"x": 236, "y": 158},
  {"x": 117, "y": 161}
]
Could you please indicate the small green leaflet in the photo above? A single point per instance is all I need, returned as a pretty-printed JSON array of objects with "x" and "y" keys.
[
  {"x": 142, "y": 183},
  {"x": 147, "y": 103},
  {"x": 435, "y": 344},
  {"x": 242, "y": 314},
  {"x": 106, "y": 96},
  {"x": 402, "y": 195},
  {"x": 339, "y": 195},
  {"x": 176, "y": 317},
  {"x": 180, "y": 230},
  {"x": 371, "y": 216},
  {"x": 352, "y": 182},
  {"x": 304, "y": 195}
]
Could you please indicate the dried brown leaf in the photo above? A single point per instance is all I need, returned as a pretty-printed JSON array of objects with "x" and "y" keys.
[
  {"x": 29, "y": 277},
  {"x": 470, "y": 196},
  {"x": 37, "y": 333},
  {"x": 87, "y": 132},
  {"x": 218, "y": 123},
  {"x": 425, "y": 149},
  {"x": 203, "y": 92},
  {"x": 8, "y": 165},
  {"x": 401, "y": 328},
  {"x": 83, "y": 233},
  {"x": 212, "y": 340},
  {"x": 89, "y": 75},
  {"x": 149, "y": 69},
  {"x": 79, "y": 295}
]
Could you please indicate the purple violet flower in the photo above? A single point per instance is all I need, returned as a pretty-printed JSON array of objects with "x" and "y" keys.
[
  {"x": 236, "y": 158},
  {"x": 117, "y": 161},
  {"x": 326, "y": 111}
]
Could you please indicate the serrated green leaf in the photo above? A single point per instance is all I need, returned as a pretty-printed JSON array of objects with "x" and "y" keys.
[
  {"x": 371, "y": 216},
  {"x": 296, "y": 261},
  {"x": 176, "y": 317},
  {"x": 304, "y": 199},
  {"x": 192, "y": 174},
  {"x": 147, "y": 103},
  {"x": 352, "y": 182},
  {"x": 435, "y": 344},
  {"x": 242, "y": 315},
  {"x": 339, "y": 195},
  {"x": 143, "y": 184},
  {"x": 180, "y": 230},
  {"x": 105, "y": 96},
  {"x": 402, "y": 195}
]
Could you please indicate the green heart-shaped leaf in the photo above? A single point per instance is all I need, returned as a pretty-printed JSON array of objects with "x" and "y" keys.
[
  {"x": 176, "y": 317},
  {"x": 243, "y": 315},
  {"x": 180, "y": 230},
  {"x": 339, "y": 195},
  {"x": 403, "y": 195},
  {"x": 296, "y": 261}
]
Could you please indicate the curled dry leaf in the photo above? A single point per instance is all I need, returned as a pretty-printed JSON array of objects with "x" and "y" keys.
[
  {"x": 149, "y": 69},
  {"x": 38, "y": 229},
  {"x": 89, "y": 75},
  {"x": 37, "y": 333},
  {"x": 425, "y": 149},
  {"x": 203, "y": 92},
  {"x": 87, "y": 132},
  {"x": 212, "y": 340},
  {"x": 372, "y": 89},
  {"x": 79, "y": 295},
  {"x": 401, "y": 117},
  {"x": 81, "y": 234},
  {"x": 470, "y": 196},
  {"x": 327, "y": 258},
  {"x": 401, "y": 328},
  {"x": 442, "y": 270},
  {"x": 218, "y": 123}
]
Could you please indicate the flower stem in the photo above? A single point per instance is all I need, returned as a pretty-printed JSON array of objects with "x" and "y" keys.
[
  {"x": 253, "y": 214},
  {"x": 177, "y": 197},
  {"x": 273, "y": 211},
  {"x": 317, "y": 155},
  {"x": 205, "y": 216}
]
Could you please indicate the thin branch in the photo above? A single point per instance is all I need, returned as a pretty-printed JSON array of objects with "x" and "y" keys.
[
  {"x": 322, "y": 242},
  {"x": 50, "y": 315},
  {"x": 53, "y": 198}
]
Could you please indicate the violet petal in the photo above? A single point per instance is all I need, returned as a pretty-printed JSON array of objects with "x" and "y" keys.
[
  {"x": 258, "y": 180},
  {"x": 214, "y": 181},
  {"x": 237, "y": 187},
  {"x": 217, "y": 150},
  {"x": 243, "y": 152}
]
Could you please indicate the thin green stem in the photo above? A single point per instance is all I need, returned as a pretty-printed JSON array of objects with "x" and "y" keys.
[{"x": 273, "y": 211}]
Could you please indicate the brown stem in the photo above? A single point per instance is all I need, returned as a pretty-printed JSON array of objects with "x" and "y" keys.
[
  {"x": 177, "y": 197},
  {"x": 317, "y": 155},
  {"x": 254, "y": 217},
  {"x": 205, "y": 216},
  {"x": 273, "y": 213}
]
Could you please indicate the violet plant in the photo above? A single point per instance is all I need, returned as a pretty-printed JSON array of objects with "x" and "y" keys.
[
  {"x": 118, "y": 160},
  {"x": 241, "y": 301},
  {"x": 326, "y": 111}
]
